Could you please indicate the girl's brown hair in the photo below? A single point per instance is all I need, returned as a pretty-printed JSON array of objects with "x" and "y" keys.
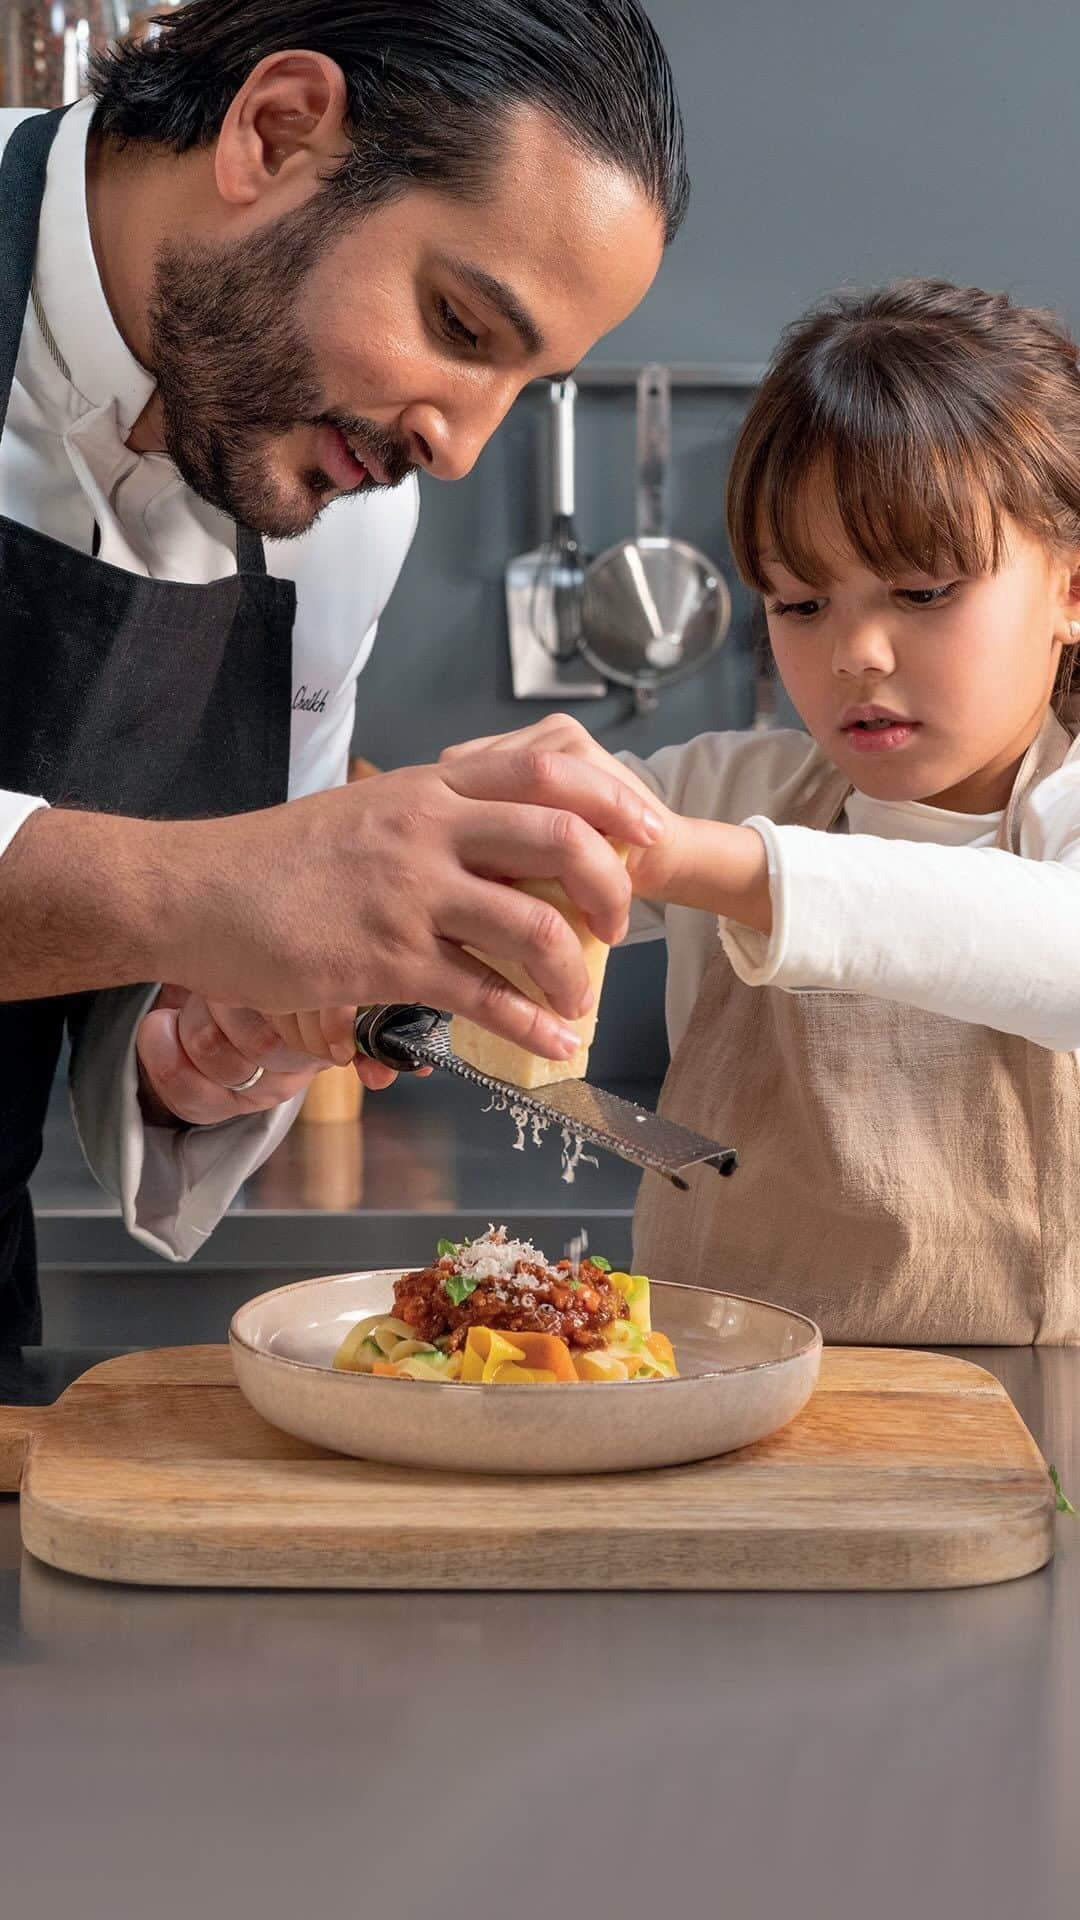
[{"x": 932, "y": 412}]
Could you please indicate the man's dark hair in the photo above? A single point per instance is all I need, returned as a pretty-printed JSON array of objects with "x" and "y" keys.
[{"x": 429, "y": 83}]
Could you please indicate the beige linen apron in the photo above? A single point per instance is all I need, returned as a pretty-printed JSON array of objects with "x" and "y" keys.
[{"x": 904, "y": 1178}]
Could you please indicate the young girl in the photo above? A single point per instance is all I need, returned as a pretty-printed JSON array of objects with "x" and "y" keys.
[{"x": 888, "y": 1025}]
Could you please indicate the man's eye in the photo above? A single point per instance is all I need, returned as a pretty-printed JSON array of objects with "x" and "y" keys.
[
  {"x": 454, "y": 327},
  {"x": 928, "y": 596},
  {"x": 802, "y": 609}
]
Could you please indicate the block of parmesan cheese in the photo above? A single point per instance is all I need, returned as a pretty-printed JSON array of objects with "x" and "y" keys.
[{"x": 501, "y": 1058}]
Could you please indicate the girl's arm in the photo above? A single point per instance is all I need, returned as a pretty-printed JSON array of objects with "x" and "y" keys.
[
  {"x": 716, "y": 777},
  {"x": 712, "y": 865},
  {"x": 977, "y": 934},
  {"x": 974, "y": 933}
]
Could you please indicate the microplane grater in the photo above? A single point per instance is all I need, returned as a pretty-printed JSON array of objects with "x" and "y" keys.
[{"x": 408, "y": 1037}]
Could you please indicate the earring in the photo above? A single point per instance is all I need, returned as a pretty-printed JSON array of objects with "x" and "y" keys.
[{"x": 1074, "y": 631}]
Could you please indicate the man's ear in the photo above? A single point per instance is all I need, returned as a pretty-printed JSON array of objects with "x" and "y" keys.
[{"x": 283, "y": 133}]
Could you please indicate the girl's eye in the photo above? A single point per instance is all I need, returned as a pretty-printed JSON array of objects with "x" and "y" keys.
[
  {"x": 928, "y": 596},
  {"x": 802, "y": 609},
  {"x": 454, "y": 327}
]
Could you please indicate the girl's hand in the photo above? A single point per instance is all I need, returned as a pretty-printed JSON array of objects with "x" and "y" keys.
[
  {"x": 651, "y": 869},
  {"x": 711, "y": 864}
]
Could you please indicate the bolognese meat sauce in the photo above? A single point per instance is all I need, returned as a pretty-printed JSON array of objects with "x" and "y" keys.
[{"x": 507, "y": 1285}]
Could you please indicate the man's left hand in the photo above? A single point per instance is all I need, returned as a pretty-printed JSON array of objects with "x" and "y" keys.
[{"x": 195, "y": 1055}]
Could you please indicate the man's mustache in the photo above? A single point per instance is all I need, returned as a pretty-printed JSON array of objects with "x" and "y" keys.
[{"x": 389, "y": 454}]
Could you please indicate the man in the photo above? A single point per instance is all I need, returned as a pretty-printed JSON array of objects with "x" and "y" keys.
[{"x": 293, "y": 253}]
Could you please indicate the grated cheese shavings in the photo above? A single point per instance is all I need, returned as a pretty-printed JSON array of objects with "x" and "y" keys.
[
  {"x": 574, "y": 1155},
  {"x": 526, "y": 1122}
]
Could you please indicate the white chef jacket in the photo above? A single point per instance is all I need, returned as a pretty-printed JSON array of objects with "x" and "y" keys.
[{"x": 64, "y": 468}]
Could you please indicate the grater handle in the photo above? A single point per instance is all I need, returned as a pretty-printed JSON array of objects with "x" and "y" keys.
[{"x": 383, "y": 1033}]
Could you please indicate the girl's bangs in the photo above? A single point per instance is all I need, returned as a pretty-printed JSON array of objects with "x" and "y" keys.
[{"x": 901, "y": 505}]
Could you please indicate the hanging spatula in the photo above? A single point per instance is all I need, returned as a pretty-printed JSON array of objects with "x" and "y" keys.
[{"x": 406, "y": 1038}]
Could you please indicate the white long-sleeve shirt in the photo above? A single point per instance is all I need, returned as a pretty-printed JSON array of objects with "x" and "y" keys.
[
  {"x": 912, "y": 903},
  {"x": 64, "y": 468}
]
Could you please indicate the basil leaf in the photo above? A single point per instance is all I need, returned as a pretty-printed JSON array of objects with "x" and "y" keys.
[
  {"x": 1064, "y": 1504},
  {"x": 597, "y": 1260},
  {"x": 459, "y": 1286},
  {"x": 445, "y": 1247}
]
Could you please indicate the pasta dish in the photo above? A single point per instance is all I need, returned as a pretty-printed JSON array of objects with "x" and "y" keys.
[{"x": 494, "y": 1312}]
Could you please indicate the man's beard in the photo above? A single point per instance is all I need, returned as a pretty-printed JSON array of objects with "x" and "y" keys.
[{"x": 234, "y": 372}]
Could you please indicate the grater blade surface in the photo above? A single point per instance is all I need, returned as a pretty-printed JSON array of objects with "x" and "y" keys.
[{"x": 588, "y": 1113}]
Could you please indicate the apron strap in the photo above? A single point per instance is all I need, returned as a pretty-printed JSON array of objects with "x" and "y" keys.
[
  {"x": 821, "y": 798},
  {"x": 1047, "y": 752},
  {"x": 22, "y": 185},
  {"x": 250, "y": 553}
]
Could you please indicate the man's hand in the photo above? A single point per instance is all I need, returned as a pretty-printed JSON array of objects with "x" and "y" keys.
[
  {"x": 193, "y": 1057},
  {"x": 372, "y": 893},
  {"x": 368, "y": 894}
]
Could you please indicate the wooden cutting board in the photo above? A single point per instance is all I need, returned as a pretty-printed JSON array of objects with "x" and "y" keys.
[{"x": 906, "y": 1470}]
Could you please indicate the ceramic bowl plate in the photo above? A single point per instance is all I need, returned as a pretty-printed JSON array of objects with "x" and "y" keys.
[{"x": 746, "y": 1368}]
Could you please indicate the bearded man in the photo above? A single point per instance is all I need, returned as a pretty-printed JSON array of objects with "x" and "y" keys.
[{"x": 291, "y": 254}]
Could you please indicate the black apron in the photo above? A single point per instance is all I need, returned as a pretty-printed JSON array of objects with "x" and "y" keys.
[{"x": 120, "y": 695}]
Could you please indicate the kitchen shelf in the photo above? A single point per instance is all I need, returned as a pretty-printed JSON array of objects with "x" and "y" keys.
[{"x": 725, "y": 376}]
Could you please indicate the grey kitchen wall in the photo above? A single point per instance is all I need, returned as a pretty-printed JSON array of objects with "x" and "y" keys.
[{"x": 841, "y": 142}]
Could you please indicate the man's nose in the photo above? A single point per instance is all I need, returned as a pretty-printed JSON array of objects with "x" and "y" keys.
[
  {"x": 862, "y": 648},
  {"x": 447, "y": 443}
]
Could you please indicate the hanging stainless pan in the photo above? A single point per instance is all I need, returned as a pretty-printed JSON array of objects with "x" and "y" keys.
[{"x": 654, "y": 608}]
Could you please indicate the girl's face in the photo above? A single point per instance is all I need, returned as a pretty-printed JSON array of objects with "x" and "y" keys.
[{"x": 922, "y": 688}]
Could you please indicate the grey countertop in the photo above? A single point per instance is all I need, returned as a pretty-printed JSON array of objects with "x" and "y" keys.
[{"x": 758, "y": 1756}]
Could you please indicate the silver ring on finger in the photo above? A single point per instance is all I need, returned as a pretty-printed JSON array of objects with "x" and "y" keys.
[{"x": 245, "y": 1086}]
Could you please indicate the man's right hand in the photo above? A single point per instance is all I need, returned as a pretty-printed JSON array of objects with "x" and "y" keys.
[{"x": 367, "y": 894}]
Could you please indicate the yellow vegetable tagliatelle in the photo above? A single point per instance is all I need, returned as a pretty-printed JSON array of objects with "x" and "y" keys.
[
  {"x": 492, "y": 1359},
  {"x": 601, "y": 1365},
  {"x": 381, "y": 1343}
]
